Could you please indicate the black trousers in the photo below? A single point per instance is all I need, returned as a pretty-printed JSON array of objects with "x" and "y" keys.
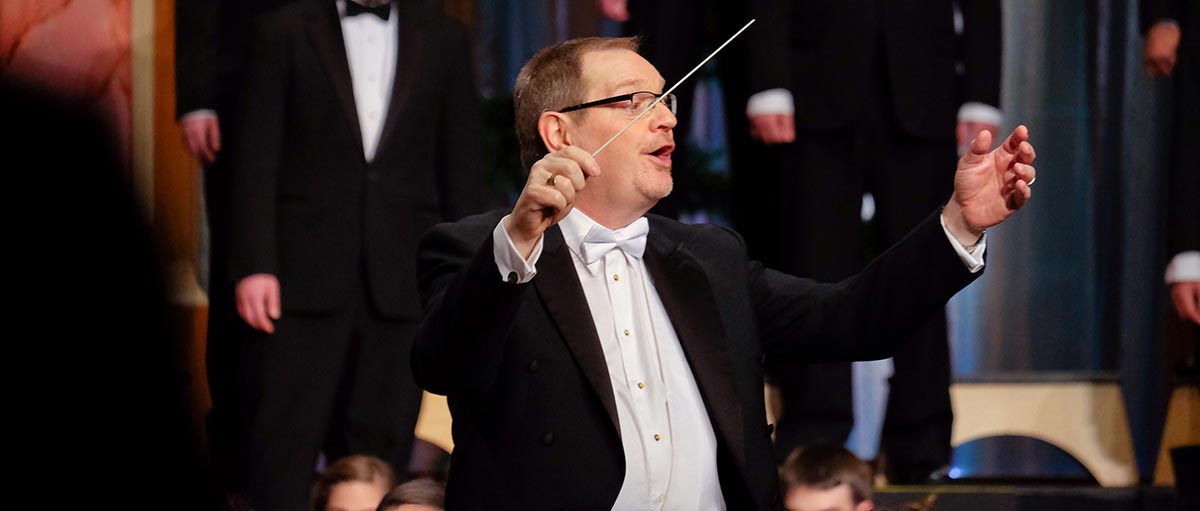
[
  {"x": 339, "y": 384},
  {"x": 818, "y": 184},
  {"x": 1184, "y": 174},
  {"x": 221, "y": 359}
]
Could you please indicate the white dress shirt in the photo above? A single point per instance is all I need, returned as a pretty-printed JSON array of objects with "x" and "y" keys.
[
  {"x": 371, "y": 52},
  {"x": 669, "y": 443}
]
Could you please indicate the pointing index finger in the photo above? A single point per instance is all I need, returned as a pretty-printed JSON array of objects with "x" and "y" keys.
[{"x": 586, "y": 162}]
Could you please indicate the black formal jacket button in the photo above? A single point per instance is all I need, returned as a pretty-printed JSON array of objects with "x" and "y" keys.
[
  {"x": 770, "y": 429},
  {"x": 534, "y": 366},
  {"x": 548, "y": 439}
]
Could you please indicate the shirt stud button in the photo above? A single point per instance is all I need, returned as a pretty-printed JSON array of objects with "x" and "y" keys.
[
  {"x": 641, "y": 385},
  {"x": 626, "y": 332},
  {"x": 657, "y": 437},
  {"x": 616, "y": 277}
]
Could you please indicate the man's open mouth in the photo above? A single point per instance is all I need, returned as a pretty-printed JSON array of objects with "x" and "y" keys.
[{"x": 663, "y": 154}]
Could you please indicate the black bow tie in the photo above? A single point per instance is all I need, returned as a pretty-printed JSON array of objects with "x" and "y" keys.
[{"x": 382, "y": 10}]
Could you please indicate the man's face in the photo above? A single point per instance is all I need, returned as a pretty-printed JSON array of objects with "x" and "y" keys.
[
  {"x": 636, "y": 167},
  {"x": 811, "y": 498}
]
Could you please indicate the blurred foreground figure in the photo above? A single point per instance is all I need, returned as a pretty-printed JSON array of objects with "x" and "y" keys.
[{"x": 102, "y": 390}]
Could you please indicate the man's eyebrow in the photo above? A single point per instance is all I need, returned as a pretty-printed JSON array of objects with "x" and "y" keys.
[{"x": 626, "y": 84}]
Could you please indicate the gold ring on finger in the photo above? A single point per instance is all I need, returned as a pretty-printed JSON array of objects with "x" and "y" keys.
[{"x": 550, "y": 180}]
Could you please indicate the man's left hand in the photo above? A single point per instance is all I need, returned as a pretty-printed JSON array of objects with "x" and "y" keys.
[
  {"x": 990, "y": 186},
  {"x": 201, "y": 137},
  {"x": 1162, "y": 48},
  {"x": 1186, "y": 296},
  {"x": 616, "y": 10}
]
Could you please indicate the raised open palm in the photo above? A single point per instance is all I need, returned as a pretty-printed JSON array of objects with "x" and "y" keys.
[{"x": 990, "y": 186}]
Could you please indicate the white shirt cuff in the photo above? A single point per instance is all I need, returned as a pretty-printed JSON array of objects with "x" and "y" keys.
[
  {"x": 771, "y": 101},
  {"x": 203, "y": 113},
  {"x": 1184, "y": 267},
  {"x": 974, "y": 111},
  {"x": 973, "y": 259},
  {"x": 508, "y": 258}
]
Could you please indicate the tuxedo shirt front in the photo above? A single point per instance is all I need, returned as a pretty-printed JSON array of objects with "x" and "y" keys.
[{"x": 667, "y": 437}]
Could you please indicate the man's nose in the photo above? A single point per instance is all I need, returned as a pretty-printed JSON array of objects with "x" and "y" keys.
[{"x": 662, "y": 118}]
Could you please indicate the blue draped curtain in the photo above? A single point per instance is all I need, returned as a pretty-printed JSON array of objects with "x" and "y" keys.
[{"x": 1074, "y": 280}]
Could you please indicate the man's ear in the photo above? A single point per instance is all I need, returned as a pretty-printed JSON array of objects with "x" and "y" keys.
[{"x": 555, "y": 130}]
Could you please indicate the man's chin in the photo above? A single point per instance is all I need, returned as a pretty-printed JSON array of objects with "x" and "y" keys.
[{"x": 662, "y": 190}]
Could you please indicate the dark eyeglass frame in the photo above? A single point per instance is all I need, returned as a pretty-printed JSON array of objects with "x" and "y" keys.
[{"x": 671, "y": 101}]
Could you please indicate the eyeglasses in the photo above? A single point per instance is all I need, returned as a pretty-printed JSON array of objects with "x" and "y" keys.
[{"x": 634, "y": 102}]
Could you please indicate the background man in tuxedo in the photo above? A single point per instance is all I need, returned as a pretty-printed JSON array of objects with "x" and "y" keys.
[
  {"x": 212, "y": 39},
  {"x": 833, "y": 82},
  {"x": 1172, "y": 29},
  {"x": 596, "y": 358},
  {"x": 1172, "y": 49},
  {"x": 363, "y": 123}
]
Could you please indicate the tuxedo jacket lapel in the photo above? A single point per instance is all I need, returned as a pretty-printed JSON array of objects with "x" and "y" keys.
[
  {"x": 410, "y": 54},
  {"x": 687, "y": 295},
  {"x": 558, "y": 285},
  {"x": 688, "y": 298},
  {"x": 325, "y": 33}
]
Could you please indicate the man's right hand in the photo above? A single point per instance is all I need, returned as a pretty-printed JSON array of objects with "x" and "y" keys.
[
  {"x": 258, "y": 301},
  {"x": 1186, "y": 296},
  {"x": 616, "y": 10},
  {"x": 201, "y": 137},
  {"x": 1162, "y": 42},
  {"x": 548, "y": 195},
  {"x": 773, "y": 128}
]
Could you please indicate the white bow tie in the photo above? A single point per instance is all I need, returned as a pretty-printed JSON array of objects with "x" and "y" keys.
[{"x": 600, "y": 241}]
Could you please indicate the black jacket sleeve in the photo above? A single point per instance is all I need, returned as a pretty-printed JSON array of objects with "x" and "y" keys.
[
  {"x": 196, "y": 44},
  {"x": 261, "y": 124}
]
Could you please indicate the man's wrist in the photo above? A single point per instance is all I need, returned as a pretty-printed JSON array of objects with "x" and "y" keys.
[
  {"x": 957, "y": 224},
  {"x": 202, "y": 113},
  {"x": 1165, "y": 22},
  {"x": 975, "y": 111},
  {"x": 515, "y": 267},
  {"x": 771, "y": 102},
  {"x": 523, "y": 244}
]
